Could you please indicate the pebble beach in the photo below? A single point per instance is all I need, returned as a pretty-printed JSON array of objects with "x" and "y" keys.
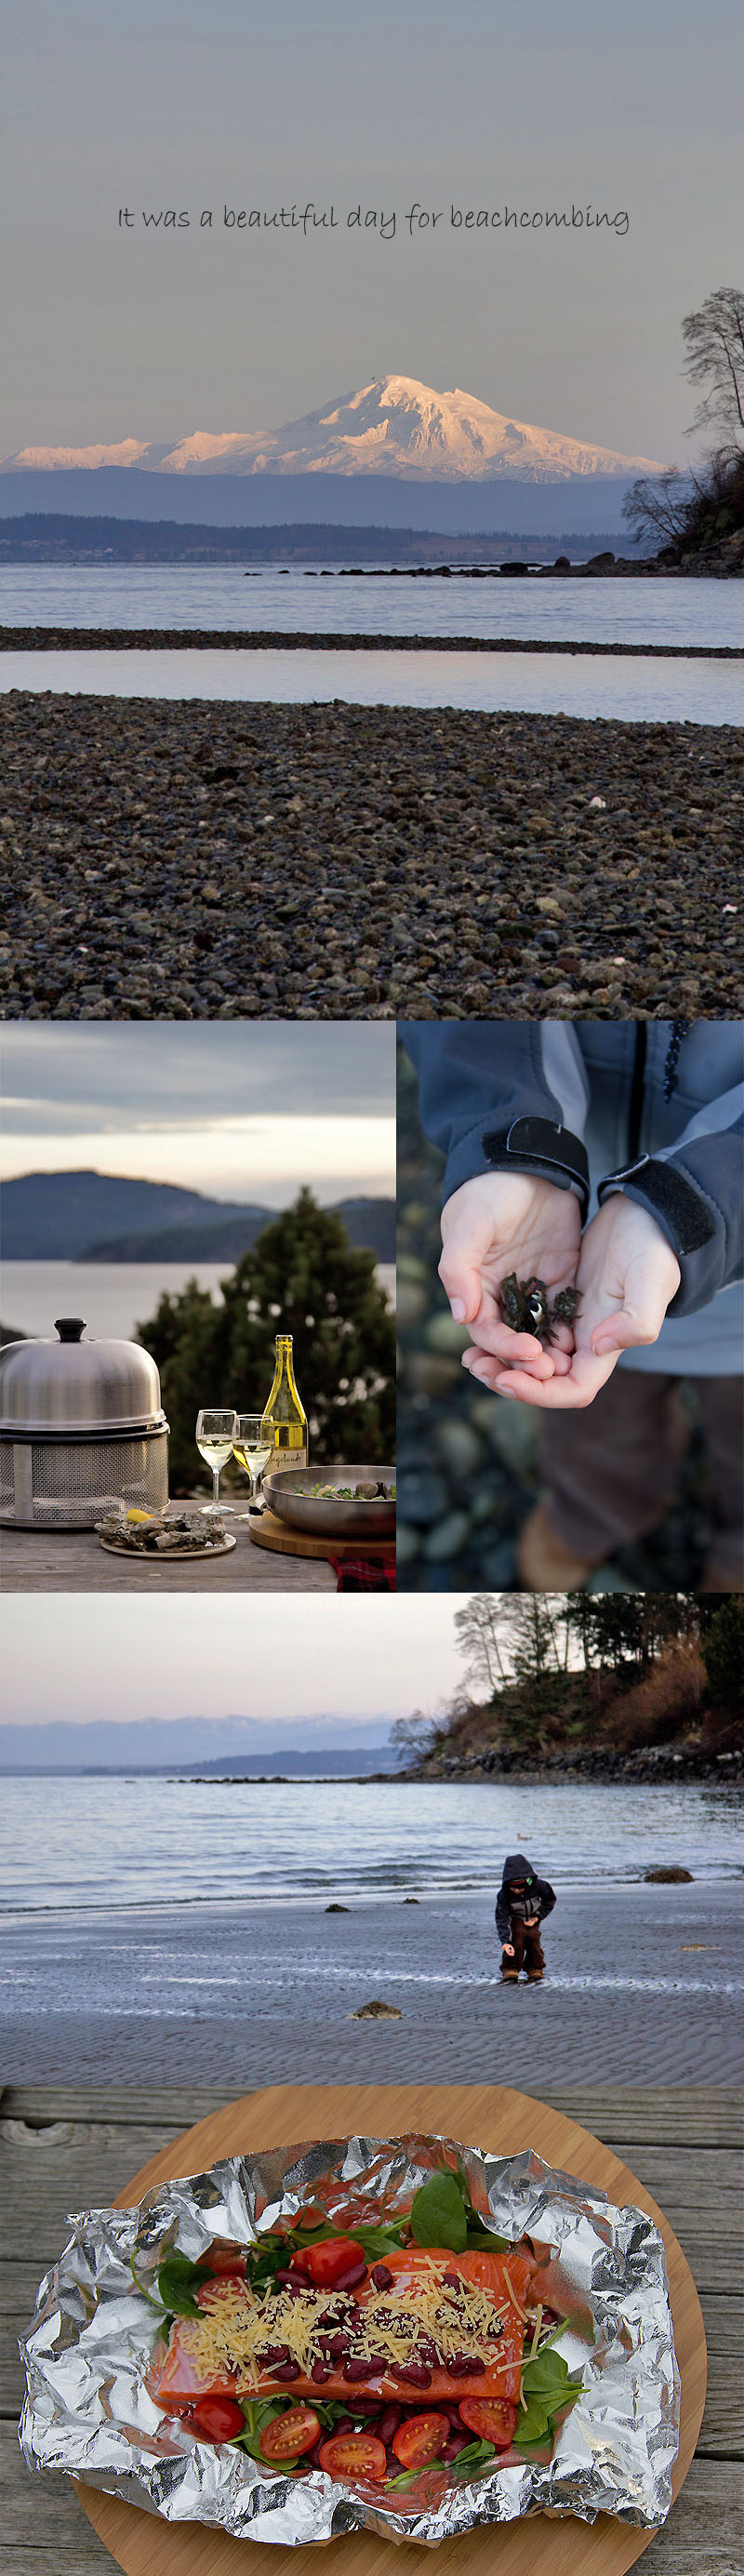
[{"x": 183, "y": 859}]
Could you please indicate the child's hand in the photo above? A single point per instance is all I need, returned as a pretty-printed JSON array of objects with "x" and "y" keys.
[
  {"x": 507, "y": 1949},
  {"x": 531, "y": 1925},
  {"x": 499, "y": 1222},
  {"x": 626, "y": 1277}
]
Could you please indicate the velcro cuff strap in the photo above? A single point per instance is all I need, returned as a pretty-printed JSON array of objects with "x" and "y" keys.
[
  {"x": 669, "y": 1194},
  {"x": 542, "y": 1146}
]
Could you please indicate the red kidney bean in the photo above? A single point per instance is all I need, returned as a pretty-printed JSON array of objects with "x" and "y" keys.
[
  {"x": 413, "y": 2372},
  {"x": 427, "y": 2351},
  {"x": 360, "y": 2369},
  {"x": 458, "y": 2367},
  {"x": 274, "y": 2352},
  {"x": 287, "y": 2370},
  {"x": 453, "y": 2280},
  {"x": 312, "y": 2458},
  {"x": 388, "y": 2424},
  {"x": 356, "y": 2272},
  {"x": 319, "y": 2373},
  {"x": 451, "y": 2449},
  {"x": 345, "y": 2425},
  {"x": 476, "y": 2367},
  {"x": 337, "y": 2346},
  {"x": 382, "y": 2277}
]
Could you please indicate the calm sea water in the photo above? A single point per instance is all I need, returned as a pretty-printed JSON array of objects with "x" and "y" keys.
[
  {"x": 595, "y": 685},
  {"x": 113, "y": 1296},
  {"x": 97, "y": 1843},
  {"x": 329, "y": 602}
]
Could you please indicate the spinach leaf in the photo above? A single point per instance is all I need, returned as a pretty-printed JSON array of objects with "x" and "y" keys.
[
  {"x": 476, "y": 2455},
  {"x": 409, "y": 2476},
  {"x": 177, "y": 2281},
  {"x": 268, "y": 2255},
  {"x": 549, "y": 2389},
  {"x": 438, "y": 2213},
  {"x": 376, "y": 2242},
  {"x": 257, "y": 2414}
]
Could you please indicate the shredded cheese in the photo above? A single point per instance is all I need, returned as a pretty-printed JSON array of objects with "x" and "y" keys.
[{"x": 236, "y": 2326}]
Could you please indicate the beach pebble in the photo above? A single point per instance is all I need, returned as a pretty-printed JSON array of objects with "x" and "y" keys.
[
  {"x": 448, "y": 1538},
  {"x": 369, "y": 817}
]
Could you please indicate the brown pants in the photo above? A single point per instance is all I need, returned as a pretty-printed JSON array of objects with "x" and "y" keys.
[
  {"x": 527, "y": 1953},
  {"x": 611, "y": 1471}
]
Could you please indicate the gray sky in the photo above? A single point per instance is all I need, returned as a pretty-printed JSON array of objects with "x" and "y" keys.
[
  {"x": 163, "y": 103},
  {"x": 189, "y": 1657},
  {"x": 241, "y": 1111}
]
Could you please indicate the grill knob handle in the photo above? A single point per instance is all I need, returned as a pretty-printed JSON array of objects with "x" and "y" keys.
[{"x": 70, "y": 1327}]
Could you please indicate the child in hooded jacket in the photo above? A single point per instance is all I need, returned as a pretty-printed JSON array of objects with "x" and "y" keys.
[{"x": 523, "y": 1902}]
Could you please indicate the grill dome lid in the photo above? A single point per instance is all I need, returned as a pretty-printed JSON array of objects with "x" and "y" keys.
[{"x": 77, "y": 1387}]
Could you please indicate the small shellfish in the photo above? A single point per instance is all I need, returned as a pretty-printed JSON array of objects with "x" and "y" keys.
[{"x": 526, "y": 1307}]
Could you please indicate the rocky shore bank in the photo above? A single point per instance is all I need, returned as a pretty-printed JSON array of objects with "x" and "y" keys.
[
  {"x": 652, "y": 1762},
  {"x": 194, "y": 860},
  {"x": 170, "y": 639}
]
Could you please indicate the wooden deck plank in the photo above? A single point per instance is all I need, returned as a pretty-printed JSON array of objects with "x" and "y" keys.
[
  {"x": 45, "y": 2529},
  {"x": 663, "y": 2115}
]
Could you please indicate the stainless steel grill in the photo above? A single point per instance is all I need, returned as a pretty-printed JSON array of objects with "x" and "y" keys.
[{"x": 80, "y": 1424}]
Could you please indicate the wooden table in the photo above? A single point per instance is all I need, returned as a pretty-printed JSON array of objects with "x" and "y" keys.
[
  {"x": 65, "y": 2150},
  {"x": 75, "y": 1561}
]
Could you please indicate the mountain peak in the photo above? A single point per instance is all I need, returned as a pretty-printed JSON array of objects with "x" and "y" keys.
[{"x": 393, "y": 425}]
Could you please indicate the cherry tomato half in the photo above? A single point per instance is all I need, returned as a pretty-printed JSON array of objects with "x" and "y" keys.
[
  {"x": 218, "y": 2418},
  {"x": 491, "y": 2417},
  {"x": 287, "y": 2436},
  {"x": 327, "y": 2262},
  {"x": 222, "y": 2261},
  {"x": 354, "y": 2455},
  {"x": 419, "y": 2440}
]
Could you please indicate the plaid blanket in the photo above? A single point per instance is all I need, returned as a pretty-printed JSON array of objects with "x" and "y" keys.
[{"x": 363, "y": 1574}]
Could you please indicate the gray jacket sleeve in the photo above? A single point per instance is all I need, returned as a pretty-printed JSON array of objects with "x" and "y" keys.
[
  {"x": 501, "y": 1096},
  {"x": 695, "y": 1191}
]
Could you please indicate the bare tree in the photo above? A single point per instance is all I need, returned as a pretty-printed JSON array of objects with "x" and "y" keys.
[
  {"x": 416, "y": 1734},
  {"x": 659, "y": 505},
  {"x": 481, "y": 1636},
  {"x": 714, "y": 340}
]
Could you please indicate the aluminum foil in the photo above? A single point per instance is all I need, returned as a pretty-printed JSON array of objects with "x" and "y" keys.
[{"x": 87, "y": 2410}]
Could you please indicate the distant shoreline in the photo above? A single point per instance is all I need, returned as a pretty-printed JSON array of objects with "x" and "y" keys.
[{"x": 170, "y": 639}]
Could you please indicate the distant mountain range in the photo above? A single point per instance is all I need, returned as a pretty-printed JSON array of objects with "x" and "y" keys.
[
  {"x": 393, "y": 426},
  {"x": 95, "y": 1216},
  {"x": 181, "y": 1745}
]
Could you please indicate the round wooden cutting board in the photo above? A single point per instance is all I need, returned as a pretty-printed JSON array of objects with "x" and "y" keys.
[
  {"x": 482, "y": 2115},
  {"x": 267, "y": 1530}
]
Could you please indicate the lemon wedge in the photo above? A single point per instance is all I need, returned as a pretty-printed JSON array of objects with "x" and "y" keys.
[{"x": 134, "y": 1515}]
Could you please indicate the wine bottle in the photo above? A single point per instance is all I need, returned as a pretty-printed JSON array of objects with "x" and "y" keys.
[{"x": 284, "y": 1421}]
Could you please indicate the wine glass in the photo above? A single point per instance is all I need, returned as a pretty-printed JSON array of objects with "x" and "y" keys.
[
  {"x": 215, "y": 1433},
  {"x": 252, "y": 1448}
]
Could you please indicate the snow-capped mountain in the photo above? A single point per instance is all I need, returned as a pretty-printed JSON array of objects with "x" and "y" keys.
[{"x": 392, "y": 426}]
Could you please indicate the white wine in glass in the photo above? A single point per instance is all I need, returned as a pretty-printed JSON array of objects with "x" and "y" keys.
[
  {"x": 252, "y": 1448},
  {"x": 215, "y": 1434}
]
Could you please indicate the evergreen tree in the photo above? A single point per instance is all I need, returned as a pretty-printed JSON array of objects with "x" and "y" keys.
[
  {"x": 303, "y": 1277},
  {"x": 723, "y": 1656}
]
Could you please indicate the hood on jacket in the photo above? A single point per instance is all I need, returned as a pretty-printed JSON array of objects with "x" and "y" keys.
[{"x": 516, "y": 1868}]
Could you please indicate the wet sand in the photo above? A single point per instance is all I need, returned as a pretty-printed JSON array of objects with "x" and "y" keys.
[
  {"x": 195, "y": 860},
  {"x": 644, "y": 1985}
]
